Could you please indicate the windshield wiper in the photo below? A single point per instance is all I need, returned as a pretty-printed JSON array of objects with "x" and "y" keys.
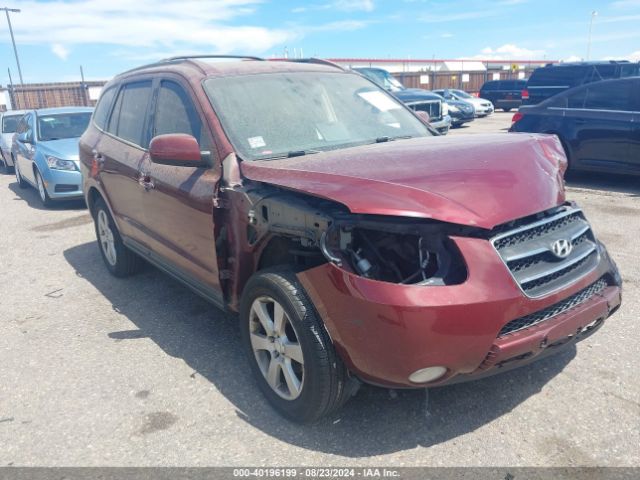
[
  {"x": 291, "y": 154},
  {"x": 391, "y": 139}
]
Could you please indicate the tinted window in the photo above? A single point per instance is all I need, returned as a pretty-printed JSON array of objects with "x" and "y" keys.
[
  {"x": 10, "y": 123},
  {"x": 603, "y": 72},
  {"x": 610, "y": 96},
  {"x": 562, "y": 76},
  {"x": 175, "y": 112},
  {"x": 129, "y": 114},
  {"x": 490, "y": 86},
  {"x": 103, "y": 107}
]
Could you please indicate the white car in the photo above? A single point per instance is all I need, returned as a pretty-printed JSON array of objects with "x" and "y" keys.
[
  {"x": 482, "y": 106},
  {"x": 8, "y": 123}
]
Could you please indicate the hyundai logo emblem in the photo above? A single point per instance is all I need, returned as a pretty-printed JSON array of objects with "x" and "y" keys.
[{"x": 562, "y": 248}]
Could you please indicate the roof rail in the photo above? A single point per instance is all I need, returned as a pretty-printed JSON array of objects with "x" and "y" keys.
[
  {"x": 319, "y": 61},
  {"x": 190, "y": 57}
]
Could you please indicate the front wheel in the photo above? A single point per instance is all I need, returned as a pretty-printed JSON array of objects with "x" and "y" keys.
[
  {"x": 42, "y": 191},
  {"x": 120, "y": 261},
  {"x": 290, "y": 352}
]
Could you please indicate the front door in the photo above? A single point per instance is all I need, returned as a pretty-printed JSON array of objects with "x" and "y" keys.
[
  {"x": 25, "y": 151},
  {"x": 178, "y": 201}
]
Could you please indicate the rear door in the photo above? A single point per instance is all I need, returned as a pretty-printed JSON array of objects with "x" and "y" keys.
[
  {"x": 178, "y": 207},
  {"x": 604, "y": 126},
  {"x": 25, "y": 151},
  {"x": 121, "y": 150}
]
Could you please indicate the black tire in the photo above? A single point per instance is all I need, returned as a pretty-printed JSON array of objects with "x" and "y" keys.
[
  {"x": 126, "y": 262},
  {"x": 506, "y": 110},
  {"x": 21, "y": 181},
  {"x": 4, "y": 168},
  {"x": 42, "y": 191},
  {"x": 326, "y": 385}
]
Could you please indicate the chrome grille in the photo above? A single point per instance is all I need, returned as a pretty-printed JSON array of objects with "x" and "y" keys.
[
  {"x": 434, "y": 108},
  {"x": 555, "y": 309},
  {"x": 528, "y": 254}
]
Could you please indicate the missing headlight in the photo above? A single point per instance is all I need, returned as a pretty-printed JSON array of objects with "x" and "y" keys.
[{"x": 394, "y": 257}]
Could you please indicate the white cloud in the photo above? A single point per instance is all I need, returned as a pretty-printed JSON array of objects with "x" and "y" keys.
[
  {"x": 635, "y": 56},
  {"x": 60, "y": 51},
  {"x": 190, "y": 24},
  {"x": 509, "y": 51},
  {"x": 341, "y": 5},
  {"x": 626, "y": 4},
  {"x": 572, "y": 58},
  {"x": 447, "y": 35}
]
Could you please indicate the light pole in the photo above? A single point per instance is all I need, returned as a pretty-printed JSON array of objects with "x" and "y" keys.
[
  {"x": 593, "y": 15},
  {"x": 15, "y": 50}
]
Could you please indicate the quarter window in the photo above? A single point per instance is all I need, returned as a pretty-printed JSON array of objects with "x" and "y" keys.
[{"x": 129, "y": 113}]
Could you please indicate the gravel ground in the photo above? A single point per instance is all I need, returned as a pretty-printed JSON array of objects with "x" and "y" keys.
[{"x": 141, "y": 372}]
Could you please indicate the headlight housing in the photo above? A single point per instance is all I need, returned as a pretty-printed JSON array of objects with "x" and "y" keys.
[
  {"x": 453, "y": 108},
  {"x": 60, "y": 164},
  {"x": 401, "y": 253},
  {"x": 445, "y": 109}
]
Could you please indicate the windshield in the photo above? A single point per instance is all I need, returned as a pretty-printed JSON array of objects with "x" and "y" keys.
[
  {"x": 461, "y": 93},
  {"x": 382, "y": 78},
  {"x": 63, "y": 125},
  {"x": 289, "y": 114},
  {"x": 10, "y": 123}
]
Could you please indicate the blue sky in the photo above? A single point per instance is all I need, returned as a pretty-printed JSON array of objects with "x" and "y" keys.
[{"x": 108, "y": 36}]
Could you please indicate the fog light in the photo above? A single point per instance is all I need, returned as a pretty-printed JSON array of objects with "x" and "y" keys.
[{"x": 428, "y": 374}]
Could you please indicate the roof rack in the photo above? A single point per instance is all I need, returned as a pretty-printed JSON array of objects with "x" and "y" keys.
[
  {"x": 189, "y": 57},
  {"x": 319, "y": 61},
  {"x": 186, "y": 58}
]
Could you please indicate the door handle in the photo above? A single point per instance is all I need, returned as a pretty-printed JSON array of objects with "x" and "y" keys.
[{"x": 146, "y": 182}]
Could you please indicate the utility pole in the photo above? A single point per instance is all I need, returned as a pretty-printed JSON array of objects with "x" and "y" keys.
[{"x": 593, "y": 15}]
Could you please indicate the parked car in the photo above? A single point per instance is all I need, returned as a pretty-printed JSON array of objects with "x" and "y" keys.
[
  {"x": 460, "y": 112},
  {"x": 8, "y": 124},
  {"x": 598, "y": 124},
  {"x": 415, "y": 98},
  {"x": 45, "y": 152},
  {"x": 547, "y": 81},
  {"x": 482, "y": 106},
  {"x": 354, "y": 242},
  {"x": 504, "y": 94}
]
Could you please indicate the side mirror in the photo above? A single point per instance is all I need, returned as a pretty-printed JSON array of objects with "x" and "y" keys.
[
  {"x": 424, "y": 116},
  {"x": 25, "y": 137},
  {"x": 176, "y": 149}
]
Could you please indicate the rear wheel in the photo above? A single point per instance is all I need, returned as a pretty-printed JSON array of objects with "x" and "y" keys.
[
  {"x": 506, "y": 109},
  {"x": 42, "y": 191},
  {"x": 21, "y": 182},
  {"x": 290, "y": 352},
  {"x": 120, "y": 261}
]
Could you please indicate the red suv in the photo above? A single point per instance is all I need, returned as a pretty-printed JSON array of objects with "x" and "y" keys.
[{"x": 354, "y": 242}]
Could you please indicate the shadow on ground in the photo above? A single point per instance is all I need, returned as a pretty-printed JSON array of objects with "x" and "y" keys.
[
  {"x": 376, "y": 421},
  {"x": 605, "y": 182},
  {"x": 30, "y": 195}
]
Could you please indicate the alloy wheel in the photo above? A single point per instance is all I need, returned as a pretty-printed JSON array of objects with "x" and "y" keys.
[
  {"x": 107, "y": 242},
  {"x": 41, "y": 190},
  {"x": 276, "y": 347}
]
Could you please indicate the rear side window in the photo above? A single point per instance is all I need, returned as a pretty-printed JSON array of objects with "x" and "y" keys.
[
  {"x": 104, "y": 106},
  {"x": 129, "y": 113},
  {"x": 175, "y": 113},
  {"x": 490, "y": 86},
  {"x": 558, "y": 76},
  {"x": 610, "y": 96},
  {"x": 10, "y": 123}
]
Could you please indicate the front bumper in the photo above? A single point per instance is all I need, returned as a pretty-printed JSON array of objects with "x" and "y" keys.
[
  {"x": 458, "y": 118},
  {"x": 483, "y": 111},
  {"x": 62, "y": 184},
  {"x": 385, "y": 332},
  {"x": 442, "y": 125},
  {"x": 6, "y": 155}
]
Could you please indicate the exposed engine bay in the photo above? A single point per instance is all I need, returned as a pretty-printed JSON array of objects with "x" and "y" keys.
[{"x": 387, "y": 249}]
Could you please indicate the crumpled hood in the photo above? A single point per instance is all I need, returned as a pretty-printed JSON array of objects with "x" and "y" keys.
[
  {"x": 65, "y": 148},
  {"x": 478, "y": 180}
]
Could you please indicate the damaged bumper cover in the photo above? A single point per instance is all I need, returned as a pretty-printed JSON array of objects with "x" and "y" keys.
[{"x": 387, "y": 331}]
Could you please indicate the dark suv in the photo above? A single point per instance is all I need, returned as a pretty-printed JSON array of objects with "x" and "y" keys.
[
  {"x": 552, "y": 79},
  {"x": 504, "y": 94},
  {"x": 353, "y": 242}
]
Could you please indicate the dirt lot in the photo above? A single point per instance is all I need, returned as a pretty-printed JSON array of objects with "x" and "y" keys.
[{"x": 99, "y": 371}]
